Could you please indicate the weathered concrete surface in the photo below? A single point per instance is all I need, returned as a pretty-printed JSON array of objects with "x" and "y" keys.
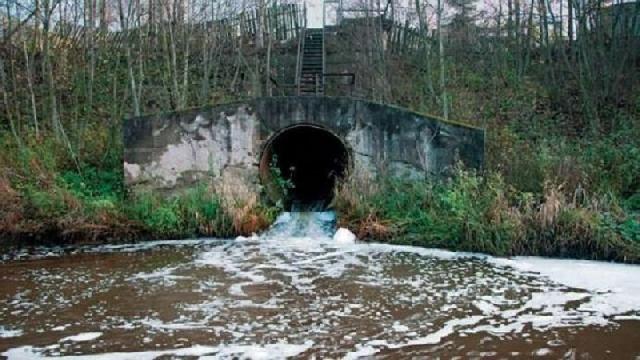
[{"x": 172, "y": 151}]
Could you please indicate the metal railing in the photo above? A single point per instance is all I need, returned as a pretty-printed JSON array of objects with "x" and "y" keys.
[{"x": 284, "y": 89}]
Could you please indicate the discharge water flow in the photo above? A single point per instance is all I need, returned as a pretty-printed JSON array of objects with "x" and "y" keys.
[{"x": 310, "y": 224}]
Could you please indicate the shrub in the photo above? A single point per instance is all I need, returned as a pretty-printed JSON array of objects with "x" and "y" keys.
[
  {"x": 470, "y": 212},
  {"x": 159, "y": 216},
  {"x": 165, "y": 222}
]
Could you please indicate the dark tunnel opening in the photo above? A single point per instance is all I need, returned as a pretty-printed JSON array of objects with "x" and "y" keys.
[{"x": 306, "y": 160}]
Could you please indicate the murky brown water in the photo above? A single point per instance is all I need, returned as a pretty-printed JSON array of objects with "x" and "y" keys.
[{"x": 303, "y": 297}]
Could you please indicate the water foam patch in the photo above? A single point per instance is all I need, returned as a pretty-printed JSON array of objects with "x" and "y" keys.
[
  {"x": 224, "y": 352},
  {"x": 344, "y": 236},
  {"x": 614, "y": 288},
  {"x": 89, "y": 336},
  {"x": 9, "y": 333}
]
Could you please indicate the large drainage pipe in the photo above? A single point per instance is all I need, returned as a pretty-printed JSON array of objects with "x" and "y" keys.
[{"x": 301, "y": 164}]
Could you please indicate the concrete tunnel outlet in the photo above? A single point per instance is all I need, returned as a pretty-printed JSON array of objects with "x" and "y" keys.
[
  {"x": 301, "y": 165},
  {"x": 310, "y": 141}
]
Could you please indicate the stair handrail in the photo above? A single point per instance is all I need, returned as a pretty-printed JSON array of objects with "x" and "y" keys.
[
  {"x": 350, "y": 76},
  {"x": 323, "y": 40},
  {"x": 301, "y": 35},
  {"x": 299, "y": 59}
]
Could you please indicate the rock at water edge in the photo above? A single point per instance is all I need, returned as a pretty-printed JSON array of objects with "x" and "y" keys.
[{"x": 344, "y": 236}]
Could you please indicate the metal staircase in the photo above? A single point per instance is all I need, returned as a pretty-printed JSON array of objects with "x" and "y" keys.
[{"x": 312, "y": 69}]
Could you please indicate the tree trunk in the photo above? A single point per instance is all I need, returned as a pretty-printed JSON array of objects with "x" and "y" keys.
[
  {"x": 32, "y": 94},
  {"x": 443, "y": 87},
  {"x": 570, "y": 24},
  {"x": 124, "y": 22}
]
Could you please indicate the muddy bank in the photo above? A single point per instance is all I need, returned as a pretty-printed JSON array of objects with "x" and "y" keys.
[{"x": 53, "y": 236}]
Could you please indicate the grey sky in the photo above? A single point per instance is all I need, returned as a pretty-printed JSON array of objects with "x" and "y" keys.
[{"x": 314, "y": 13}]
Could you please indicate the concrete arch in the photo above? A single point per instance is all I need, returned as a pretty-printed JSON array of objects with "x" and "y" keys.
[
  {"x": 225, "y": 142},
  {"x": 309, "y": 159}
]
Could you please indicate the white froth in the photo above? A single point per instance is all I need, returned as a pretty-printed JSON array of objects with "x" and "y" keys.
[
  {"x": 614, "y": 288},
  {"x": 222, "y": 352},
  {"x": 82, "y": 337},
  {"x": 6, "y": 333},
  {"x": 344, "y": 236}
]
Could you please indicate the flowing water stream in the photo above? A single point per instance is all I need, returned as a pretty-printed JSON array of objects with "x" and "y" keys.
[{"x": 297, "y": 292}]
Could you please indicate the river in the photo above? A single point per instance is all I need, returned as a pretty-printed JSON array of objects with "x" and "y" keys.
[{"x": 297, "y": 292}]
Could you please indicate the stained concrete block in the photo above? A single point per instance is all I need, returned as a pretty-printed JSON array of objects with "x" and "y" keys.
[{"x": 174, "y": 150}]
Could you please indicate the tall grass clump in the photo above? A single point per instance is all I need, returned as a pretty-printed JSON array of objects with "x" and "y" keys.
[
  {"x": 200, "y": 211},
  {"x": 196, "y": 212}
]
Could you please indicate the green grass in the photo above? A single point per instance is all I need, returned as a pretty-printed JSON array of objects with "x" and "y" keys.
[
  {"x": 469, "y": 212},
  {"x": 197, "y": 212}
]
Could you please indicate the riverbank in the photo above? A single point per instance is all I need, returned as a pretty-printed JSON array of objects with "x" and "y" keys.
[
  {"x": 198, "y": 212},
  {"x": 557, "y": 197},
  {"x": 483, "y": 214},
  {"x": 468, "y": 212}
]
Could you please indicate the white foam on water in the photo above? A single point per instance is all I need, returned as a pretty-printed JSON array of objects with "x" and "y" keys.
[
  {"x": 362, "y": 351},
  {"x": 486, "y": 307},
  {"x": 6, "y": 333},
  {"x": 306, "y": 259},
  {"x": 449, "y": 328},
  {"x": 399, "y": 327},
  {"x": 315, "y": 258},
  {"x": 344, "y": 236},
  {"x": 223, "y": 352},
  {"x": 164, "y": 274},
  {"x": 374, "y": 346},
  {"x": 543, "y": 352},
  {"x": 88, "y": 336},
  {"x": 614, "y": 288}
]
